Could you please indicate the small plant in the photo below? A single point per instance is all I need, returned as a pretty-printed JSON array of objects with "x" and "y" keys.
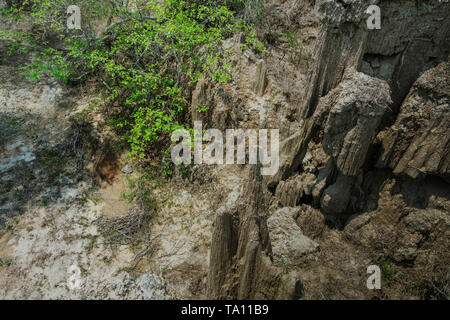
[
  {"x": 5, "y": 262},
  {"x": 43, "y": 203},
  {"x": 202, "y": 108},
  {"x": 140, "y": 190},
  {"x": 12, "y": 225},
  {"x": 297, "y": 50},
  {"x": 294, "y": 46},
  {"x": 388, "y": 271}
]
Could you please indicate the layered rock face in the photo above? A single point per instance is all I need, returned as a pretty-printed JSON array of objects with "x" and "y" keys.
[
  {"x": 340, "y": 47},
  {"x": 418, "y": 144},
  {"x": 351, "y": 126},
  {"x": 349, "y": 109},
  {"x": 240, "y": 264},
  {"x": 370, "y": 157},
  {"x": 412, "y": 39}
]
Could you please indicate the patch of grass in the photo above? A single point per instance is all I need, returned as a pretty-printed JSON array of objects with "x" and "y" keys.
[
  {"x": 297, "y": 50},
  {"x": 4, "y": 263},
  {"x": 202, "y": 108},
  {"x": 140, "y": 190},
  {"x": 388, "y": 271},
  {"x": 89, "y": 196},
  {"x": 12, "y": 225},
  {"x": 283, "y": 266},
  {"x": 43, "y": 203}
]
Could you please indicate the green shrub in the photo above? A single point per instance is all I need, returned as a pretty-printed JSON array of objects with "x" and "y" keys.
[{"x": 144, "y": 59}]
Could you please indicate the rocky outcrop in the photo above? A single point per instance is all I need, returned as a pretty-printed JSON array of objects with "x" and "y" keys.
[
  {"x": 418, "y": 144},
  {"x": 353, "y": 113},
  {"x": 340, "y": 47},
  {"x": 241, "y": 266},
  {"x": 353, "y": 121},
  {"x": 311, "y": 221},
  {"x": 349, "y": 108},
  {"x": 357, "y": 82},
  {"x": 412, "y": 39},
  {"x": 351, "y": 126},
  {"x": 290, "y": 192},
  {"x": 289, "y": 244}
]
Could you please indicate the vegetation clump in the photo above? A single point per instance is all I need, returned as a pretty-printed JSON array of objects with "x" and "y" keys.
[{"x": 146, "y": 56}]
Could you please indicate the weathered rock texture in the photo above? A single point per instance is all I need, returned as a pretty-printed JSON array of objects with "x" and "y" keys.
[
  {"x": 419, "y": 142},
  {"x": 289, "y": 244},
  {"x": 353, "y": 121},
  {"x": 377, "y": 145},
  {"x": 413, "y": 37},
  {"x": 340, "y": 46},
  {"x": 240, "y": 264},
  {"x": 353, "y": 113},
  {"x": 346, "y": 108}
]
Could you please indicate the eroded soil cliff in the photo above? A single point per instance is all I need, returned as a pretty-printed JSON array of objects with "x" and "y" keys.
[{"x": 364, "y": 120}]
